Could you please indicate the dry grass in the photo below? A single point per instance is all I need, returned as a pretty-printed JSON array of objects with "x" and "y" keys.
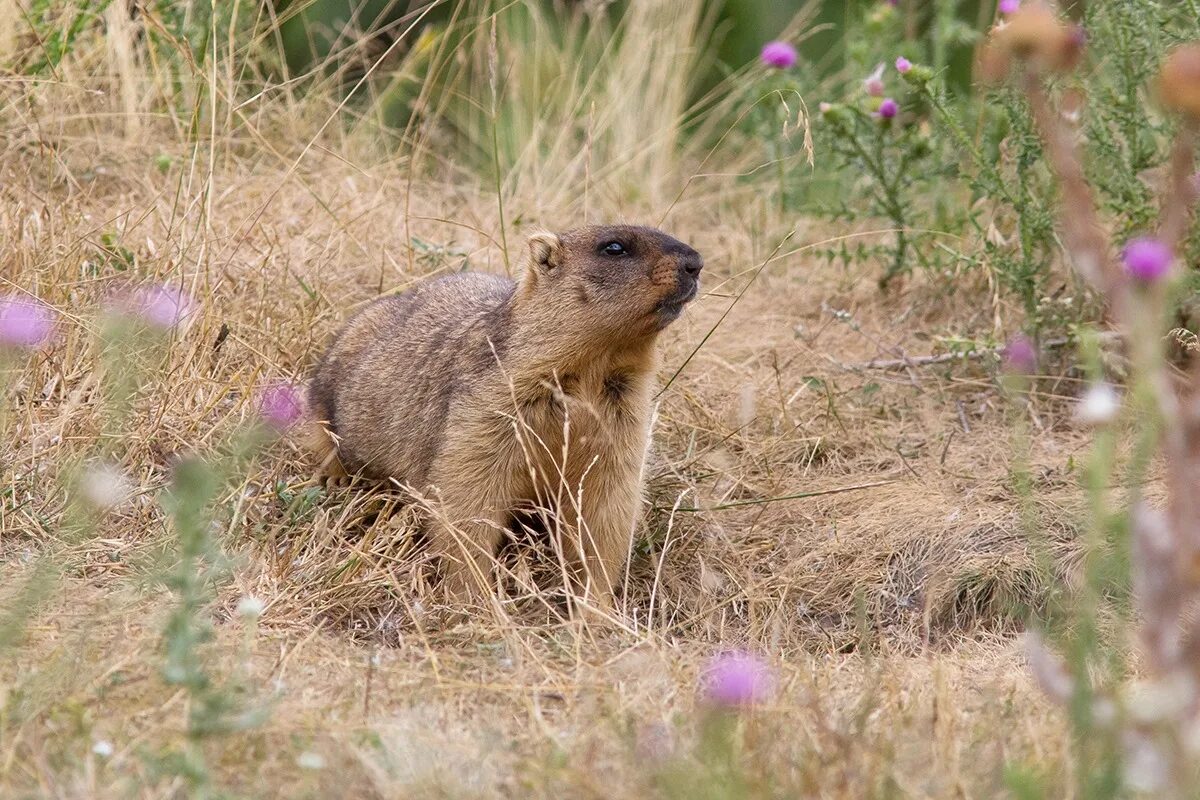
[{"x": 888, "y": 610}]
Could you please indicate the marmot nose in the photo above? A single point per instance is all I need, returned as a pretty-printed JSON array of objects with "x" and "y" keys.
[{"x": 691, "y": 265}]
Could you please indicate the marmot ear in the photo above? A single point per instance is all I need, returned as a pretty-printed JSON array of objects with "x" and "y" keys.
[{"x": 545, "y": 252}]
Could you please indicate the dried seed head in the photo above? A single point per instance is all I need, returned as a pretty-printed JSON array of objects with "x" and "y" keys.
[
  {"x": 1099, "y": 405},
  {"x": 250, "y": 607},
  {"x": 105, "y": 487},
  {"x": 1034, "y": 34},
  {"x": 1179, "y": 80},
  {"x": 1031, "y": 30}
]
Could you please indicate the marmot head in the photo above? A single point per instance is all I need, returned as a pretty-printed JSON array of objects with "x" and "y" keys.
[{"x": 621, "y": 282}]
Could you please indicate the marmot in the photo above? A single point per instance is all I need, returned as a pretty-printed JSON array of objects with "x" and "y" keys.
[{"x": 500, "y": 396}]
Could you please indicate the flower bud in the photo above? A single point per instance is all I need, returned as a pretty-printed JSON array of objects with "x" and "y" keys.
[
  {"x": 873, "y": 83},
  {"x": 917, "y": 74},
  {"x": 1019, "y": 356}
]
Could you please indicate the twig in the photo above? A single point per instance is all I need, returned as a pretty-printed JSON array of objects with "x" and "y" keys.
[
  {"x": 941, "y": 358},
  {"x": 797, "y": 496},
  {"x": 962, "y": 418}
]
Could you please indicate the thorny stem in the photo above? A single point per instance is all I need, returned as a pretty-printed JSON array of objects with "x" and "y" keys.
[
  {"x": 887, "y": 194},
  {"x": 1084, "y": 235},
  {"x": 1181, "y": 193},
  {"x": 967, "y": 145}
]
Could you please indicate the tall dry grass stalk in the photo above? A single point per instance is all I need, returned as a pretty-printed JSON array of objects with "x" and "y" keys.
[{"x": 568, "y": 111}]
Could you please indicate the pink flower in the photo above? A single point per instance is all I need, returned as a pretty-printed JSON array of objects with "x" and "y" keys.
[
  {"x": 779, "y": 55},
  {"x": 160, "y": 306},
  {"x": 889, "y": 108},
  {"x": 280, "y": 406},
  {"x": 25, "y": 323},
  {"x": 1009, "y": 6},
  {"x": 1019, "y": 355},
  {"x": 903, "y": 65},
  {"x": 1147, "y": 259},
  {"x": 873, "y": 83},
  {"x": 736, "y": 679}
]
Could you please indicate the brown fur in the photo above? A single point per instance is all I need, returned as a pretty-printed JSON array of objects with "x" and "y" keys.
[{"x": 500, "y": 396}]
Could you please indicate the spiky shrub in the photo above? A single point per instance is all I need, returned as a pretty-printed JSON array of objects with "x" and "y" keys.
[
  {"x": 1139, "y": 573},
  {"x": 960, "y": 179}
]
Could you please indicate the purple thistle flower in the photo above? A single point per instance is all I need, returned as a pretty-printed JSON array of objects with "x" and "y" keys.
[
  {"x": 160, "y": 306},
  {"x": 780, "y": 55},
  {"x": 280, "y": 406},
  {"x": 1147, "y": 259},
  {"x": 1009, "y": 6},
  {"x": 903, "y": 65},
  {"x": 889, "y": 108},
  {"x": 736, "y": 679},
  {"x": 1019, "y": 355},
  {"x": 25, "y": 323}
]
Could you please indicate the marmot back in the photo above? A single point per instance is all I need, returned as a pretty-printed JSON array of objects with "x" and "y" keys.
[
  {"x": 495, "y": 396},
  {"x": 386, "y": 382}
]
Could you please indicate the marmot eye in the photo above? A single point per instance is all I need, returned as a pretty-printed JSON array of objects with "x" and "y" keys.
[{"x": 613, "y": 249}]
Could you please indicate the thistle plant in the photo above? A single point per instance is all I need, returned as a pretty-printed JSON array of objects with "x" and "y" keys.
[
  {"x": 880, "y": 138},
  {"x": 888, "y": 150},
  {"x": 1152, "y": 723},
  {"x": 26, "y": 325},
  {"x": 136, "y": 329},
  {"x": 216, "y": 707},
  {"x": 733, "y": 685}
]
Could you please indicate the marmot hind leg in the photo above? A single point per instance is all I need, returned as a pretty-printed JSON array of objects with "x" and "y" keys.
[{"x": 322, "y": 442}]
